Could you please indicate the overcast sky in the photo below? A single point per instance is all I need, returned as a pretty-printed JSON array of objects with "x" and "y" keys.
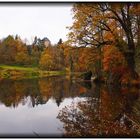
[{"x": 49, "y": 20}]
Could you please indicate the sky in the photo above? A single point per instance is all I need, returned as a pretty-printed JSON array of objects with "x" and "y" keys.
[{"x": 28, "y": 21}]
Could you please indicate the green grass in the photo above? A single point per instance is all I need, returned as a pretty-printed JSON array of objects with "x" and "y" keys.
[
  {"x": 21, "y": 72},
  {"x": 18, "y": 68}
]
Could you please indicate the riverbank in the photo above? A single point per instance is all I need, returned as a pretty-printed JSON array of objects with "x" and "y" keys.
[{"x": 21, "y": 72}]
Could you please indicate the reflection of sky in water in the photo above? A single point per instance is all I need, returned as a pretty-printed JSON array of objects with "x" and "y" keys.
[
  {"x": 41, "y": 119},
  {"x": 31, "y": 107}
]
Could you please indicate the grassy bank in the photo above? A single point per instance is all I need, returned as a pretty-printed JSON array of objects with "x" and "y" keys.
[{"x": 20, "y": 72}]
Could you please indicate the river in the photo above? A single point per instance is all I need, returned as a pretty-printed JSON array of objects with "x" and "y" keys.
[{"x": 64, "y": 107}]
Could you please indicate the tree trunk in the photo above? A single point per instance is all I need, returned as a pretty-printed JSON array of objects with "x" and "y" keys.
[
  {"x": 138, "y": 34},
  {"x": 130, "y": 58}
]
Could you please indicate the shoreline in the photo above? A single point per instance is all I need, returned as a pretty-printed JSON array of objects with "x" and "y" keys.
[{"x": 21, "y": 72}]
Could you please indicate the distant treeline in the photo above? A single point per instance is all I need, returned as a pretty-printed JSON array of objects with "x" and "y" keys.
[{"x": 61, "y": 56}]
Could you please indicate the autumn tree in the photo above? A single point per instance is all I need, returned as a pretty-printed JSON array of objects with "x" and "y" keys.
[
  {"x": 21, "y": 56},
  {"x": 51, "y": 59},
  {"x": 114, "y": 64},
  {"x": 60, "y": 41},
  {"x": 71, "y": 54},
  {"x": 99, "y": 24},
  {"x": 10, "y": 48},
  {"x": 7, "y": 50},
  {"x": 60, "y": 46}
]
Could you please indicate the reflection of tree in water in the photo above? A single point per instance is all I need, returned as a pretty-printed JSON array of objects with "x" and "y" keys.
[
  {"x": 87, "y": 84},
  {"x": 14, "y": 92},
  {"x": 106, "y": 112},
  {"x": 38, "y": 91},
  {"x": 108, "y": 115}
]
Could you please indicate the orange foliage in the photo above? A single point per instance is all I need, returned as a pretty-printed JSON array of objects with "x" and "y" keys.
[{"x": 113, "y": 60}]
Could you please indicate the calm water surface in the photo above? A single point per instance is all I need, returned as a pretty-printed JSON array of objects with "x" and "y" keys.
[{"x": 60, "y": 106}]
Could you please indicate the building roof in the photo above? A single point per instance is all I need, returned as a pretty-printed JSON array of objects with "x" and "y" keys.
[{"x": 45, "y": 39}]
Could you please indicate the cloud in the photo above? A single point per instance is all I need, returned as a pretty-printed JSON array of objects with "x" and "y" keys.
[{"x": 49, "y": 20}]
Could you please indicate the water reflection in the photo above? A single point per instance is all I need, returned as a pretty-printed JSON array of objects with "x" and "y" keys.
[
  {"x": 60, "y": 106},
  {"x": 39, "y": 90},
  {"x": 115, "y": 113}
]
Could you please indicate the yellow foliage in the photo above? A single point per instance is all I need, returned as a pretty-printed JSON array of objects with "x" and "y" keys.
[{"x": 22, "y": 58}]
